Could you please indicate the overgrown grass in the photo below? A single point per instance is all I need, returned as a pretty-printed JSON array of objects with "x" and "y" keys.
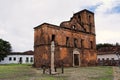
[{"x": 26, "y": 72}]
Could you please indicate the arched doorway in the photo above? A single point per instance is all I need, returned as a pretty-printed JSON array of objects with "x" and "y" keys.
[{"x": 76, "y": 57}]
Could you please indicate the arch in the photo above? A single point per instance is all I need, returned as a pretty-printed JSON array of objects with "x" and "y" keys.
[{"x": 76, "y": 57}]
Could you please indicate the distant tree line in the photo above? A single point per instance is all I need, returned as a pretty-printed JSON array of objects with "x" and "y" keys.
[{"x": 100, "y": 45}]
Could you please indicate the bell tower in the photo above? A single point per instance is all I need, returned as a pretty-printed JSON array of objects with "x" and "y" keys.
[{"x": 86, "y": 19}]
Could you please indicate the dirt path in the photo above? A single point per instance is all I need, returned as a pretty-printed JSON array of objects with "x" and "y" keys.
[{"x": 116, "y": 73}]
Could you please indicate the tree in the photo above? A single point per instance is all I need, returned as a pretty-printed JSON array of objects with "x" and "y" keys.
[
  {"x": 5, "y": 48},
  {"x": 103, "y": 45}
]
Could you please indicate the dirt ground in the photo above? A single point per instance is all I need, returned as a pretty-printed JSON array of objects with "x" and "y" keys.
[{"x": 116, "y": 73}]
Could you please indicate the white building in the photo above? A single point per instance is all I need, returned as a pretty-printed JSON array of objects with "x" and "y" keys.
[
  {"x": 107, "y": 56},
  {"x": 16, "y": 58}
]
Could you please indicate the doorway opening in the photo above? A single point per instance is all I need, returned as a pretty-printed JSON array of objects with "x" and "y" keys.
[{"x": 76, "y": 58}]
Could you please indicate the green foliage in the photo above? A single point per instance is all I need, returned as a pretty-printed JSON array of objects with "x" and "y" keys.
[
  {"x": 5, "y": 48},
  {"x": 103, "y": 45}
]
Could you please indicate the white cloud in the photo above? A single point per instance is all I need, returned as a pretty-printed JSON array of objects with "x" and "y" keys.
[
  {"x": 107, "y": 22},
  {"x": 18, "y": 18}
]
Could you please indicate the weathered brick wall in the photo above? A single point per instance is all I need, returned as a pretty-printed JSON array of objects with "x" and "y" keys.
[{"x": 68, "y": 36}]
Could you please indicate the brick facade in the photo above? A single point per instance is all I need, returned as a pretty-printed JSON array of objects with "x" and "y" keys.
[{"x": 75, "y": 41}]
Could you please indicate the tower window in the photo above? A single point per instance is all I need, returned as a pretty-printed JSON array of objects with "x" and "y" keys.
[
  {"x": 91, "y": 44},
  {"x": 73, "y": 27},
  {"x": 53, "y": 37},
  {"x": 79, "y": 17},
  {"x": 90, "y": 27},
  {"x": 67, "y": 39},
  {"x": 89, "y": 18}
]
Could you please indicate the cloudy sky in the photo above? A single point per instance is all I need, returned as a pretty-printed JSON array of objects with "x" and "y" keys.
[{"x": 19, "y": 17}]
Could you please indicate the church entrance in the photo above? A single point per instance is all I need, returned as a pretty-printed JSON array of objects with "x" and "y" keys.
[{"x": 76, "y": 58}]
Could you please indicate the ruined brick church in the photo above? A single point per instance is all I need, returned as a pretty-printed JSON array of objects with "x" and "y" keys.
[{"x": 75, "y": 41}]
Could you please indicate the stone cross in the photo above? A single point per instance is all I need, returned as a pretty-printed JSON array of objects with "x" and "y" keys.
[{"x": 52, "y": 56}]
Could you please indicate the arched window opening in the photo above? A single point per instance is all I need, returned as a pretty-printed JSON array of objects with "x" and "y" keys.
[{"x": 73, "y": 27}]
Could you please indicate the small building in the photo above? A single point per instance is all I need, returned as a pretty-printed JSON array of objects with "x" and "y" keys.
[
  {"x": 19, "y": 58},
  {"x": 75, "y": 41},
  {"x": 107, "y": 55}
]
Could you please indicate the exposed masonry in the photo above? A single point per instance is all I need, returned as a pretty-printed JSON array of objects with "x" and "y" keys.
[{"x": 75, "y": 41}]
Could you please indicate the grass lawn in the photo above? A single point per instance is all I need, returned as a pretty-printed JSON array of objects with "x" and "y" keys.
[{"x": 26, "y": 72}]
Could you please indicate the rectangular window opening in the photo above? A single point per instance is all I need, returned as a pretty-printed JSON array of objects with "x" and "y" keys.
[
  {"x": 14, "y": 58},
  {"x": 112, "y": 58},
  {"x": 67, "y": 39},
  {"x": 20, "y": 60},
  {"x": 103, "y": 59},
  {"x": 75, "y": 42},
  {"x": 53, "y": 37},
  {"x": 27, "y": 59},
  {"x": 91, "y": 44},
  {"x": 31, "y": 60},
  {"x": 10, "y": 58},
  {"x": 82, "y": 43}
]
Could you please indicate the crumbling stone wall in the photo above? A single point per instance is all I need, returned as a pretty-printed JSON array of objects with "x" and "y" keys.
[{"x": 78, "y": 33}]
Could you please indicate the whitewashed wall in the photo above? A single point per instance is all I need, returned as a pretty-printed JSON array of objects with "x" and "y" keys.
[
  {"x": 7, "y": 61},
  {"x": 105, "y": 56}
]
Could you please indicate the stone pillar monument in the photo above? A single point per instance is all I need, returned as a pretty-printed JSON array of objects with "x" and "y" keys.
[{"x": 52, "y": 57}]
